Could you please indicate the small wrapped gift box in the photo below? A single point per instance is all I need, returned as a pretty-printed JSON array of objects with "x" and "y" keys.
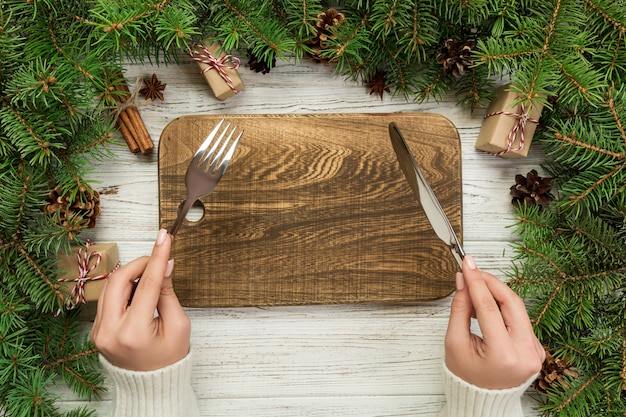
[
  {"x": 508, "y": 129},
  {"x": 219, "y": 69},
  {"x": 83, "y": 271}
]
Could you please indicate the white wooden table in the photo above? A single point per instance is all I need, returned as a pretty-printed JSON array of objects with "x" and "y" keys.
[{"x": 340, "y": 360}]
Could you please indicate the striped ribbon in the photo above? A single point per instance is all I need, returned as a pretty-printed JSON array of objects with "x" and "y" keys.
[
  {"x": 522, "y": 118},
  {"x": 200, "y": 53},
  {"x": 84, "y": 258}
]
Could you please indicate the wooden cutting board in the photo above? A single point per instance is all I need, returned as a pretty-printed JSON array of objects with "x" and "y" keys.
[{"x": 313, "y": 209}]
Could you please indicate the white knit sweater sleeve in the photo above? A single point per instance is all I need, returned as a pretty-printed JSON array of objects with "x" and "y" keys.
[
  {"x": 466, "y": 400},
  {"x": 165, "y": 392}
]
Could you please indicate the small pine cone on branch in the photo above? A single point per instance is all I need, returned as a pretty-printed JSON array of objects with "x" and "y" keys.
[
  {"x": 83, "y": 209},
  {"x": 554, "y": 371},
  {"x": 455, "y": 56},
  {"x": 327, "y": 22}
]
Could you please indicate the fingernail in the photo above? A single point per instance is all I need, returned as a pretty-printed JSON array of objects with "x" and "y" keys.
[
  {"x": 169, "y": 268},
  {"x": 161, "y": 236},
  {"x": 460, "y": 282},
  {"x": 469, "y": 261}
]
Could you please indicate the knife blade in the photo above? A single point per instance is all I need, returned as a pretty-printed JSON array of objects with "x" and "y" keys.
[{"x": 424, "y": 193}]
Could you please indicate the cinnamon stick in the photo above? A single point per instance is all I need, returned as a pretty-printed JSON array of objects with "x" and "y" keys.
[
  {"x": 143, "y": 137},
  {"x": 131, "y": 124},
  {"x": 128, "y": 137}
]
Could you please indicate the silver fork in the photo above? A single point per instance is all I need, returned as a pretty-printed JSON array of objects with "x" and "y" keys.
[{"x": 201, "y": 181}]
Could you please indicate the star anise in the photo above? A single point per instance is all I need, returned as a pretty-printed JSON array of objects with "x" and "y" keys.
[
  {"x": 532, "y": 189},
  {"x": 153, "y": 88},
  {"x": 378, "y": 85},
  {"x": 259, "y": 65}
]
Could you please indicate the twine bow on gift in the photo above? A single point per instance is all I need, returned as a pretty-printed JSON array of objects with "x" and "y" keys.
[
  {"x": 201, "y": 53},
  {"x": 84, "y": 257},
  {"x": 522, "y": 118}
]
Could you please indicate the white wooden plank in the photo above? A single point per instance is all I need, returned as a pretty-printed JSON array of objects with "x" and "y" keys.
[
  {"x": 387, "y": 406},
  {"x": 347, "y": 360}
]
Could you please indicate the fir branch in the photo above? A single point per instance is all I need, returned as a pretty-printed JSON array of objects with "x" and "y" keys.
[
  {"x": 103, "y": 139},
  {"x": 61, "y": 51},
  {"x": 613, "y": 22},
  {"x": 613, "y": 109},
  {"x": 344, "y": 45},
  {"x": 257, "y": 31},
  {"x": 614, "y": 63},
  {"x": 473, "y": 97},
  {"x": 468, "y": 11},
  {"x": 550, "y": 30},
  {"x": 594, "y": 275},
  {"x": 73, "y": 181},
  {"x": 53, "y": 286},
  {"x": 384, "y": 17},
  {"x": 401, "y": 82},
  {"x": 573, "y": 141},
  {"x": 579, "y": 353},
  {"x": 416, "y": 37},
  {"x": 282, "y": 13},
  {"x": 507, "y": 51},
  {"x": 79, "y": 412},
  {"x": 538, "y": 319},
  {"x": 562, "y": 275},
  {"x": 65, "y": 333},
  {"x": 596, "y": 185},
  {"x": 86, "y": 385},
  {"x": 122, "y": 20},
  {"x": 42, "y": 149},
  {"x": 622, "y": 333},
  {"x": 302, "y": 19},
  {"x": 71, "y": 358},
  {"x": 567, "y": 54},
  {"x": 21, "y": 205},
  {"x": 573, "y": 80},
  {"x": 175, "y": 27},
  {"x": 578, "y": 392},
  {"x": 433, "y": 87},
  {"x": 31, "y": 397}
]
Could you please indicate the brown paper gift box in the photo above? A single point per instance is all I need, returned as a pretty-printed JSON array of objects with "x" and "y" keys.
[
  {"x": 494, "y": 133},
  {"x": 68, "y": 268},
  {"x": 220, "y": 88}
]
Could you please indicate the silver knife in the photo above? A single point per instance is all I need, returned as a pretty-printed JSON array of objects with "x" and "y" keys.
[{"x": 422, "y": 190}]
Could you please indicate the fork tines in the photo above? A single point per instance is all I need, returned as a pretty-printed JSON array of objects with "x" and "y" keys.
[{"x": 203, "y": 156}]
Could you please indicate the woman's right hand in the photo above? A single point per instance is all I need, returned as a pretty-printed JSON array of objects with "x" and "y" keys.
[{"x": 508, "y": 353}]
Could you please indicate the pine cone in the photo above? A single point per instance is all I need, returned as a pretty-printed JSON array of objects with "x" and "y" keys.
[
  {"x": 258, "y": 65},
  {"x": 553, "y": 371},
  {"x": 83, "y": 209},
  {"x": 328, "y": 21},
  {"x": 456, "y": 56},
  {"x": 532, "y": 189}
]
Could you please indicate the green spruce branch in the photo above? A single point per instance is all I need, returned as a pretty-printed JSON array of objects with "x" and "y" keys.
[
  {"x": 53, "y": 120},
  {"x": 60, "y": 58}
]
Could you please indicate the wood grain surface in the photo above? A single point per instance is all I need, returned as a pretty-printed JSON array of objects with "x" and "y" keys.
[{"x": 313, "y": 209}]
